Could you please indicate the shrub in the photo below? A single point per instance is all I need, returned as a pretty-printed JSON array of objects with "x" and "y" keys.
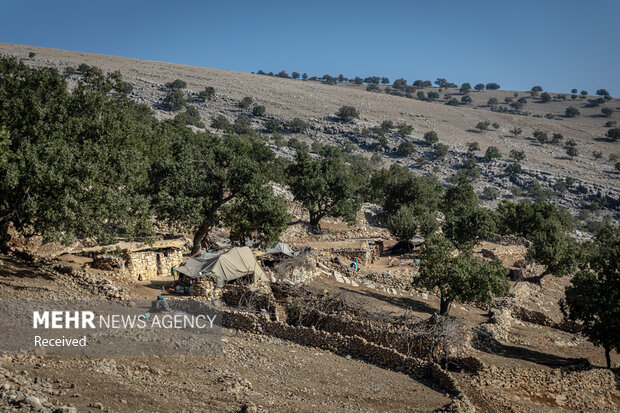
[
  {"x": 178, "y": 84},
  {"x": 386, "y": 125},
  {"x": 273, "y": 125},
  {"x": 431, "y": 138},
  {"x": 243, "y": 125},
  {"x": 404, "y": 129},
  {"x": 495, "y": 125},
  {"x": 572, "y": 151},
  {"x": 373, "y": 88},
  {"x": 466, "y": 99},
  {"x": 602, "y": 92},
  {"x": 516, "y": 131},
  {"x": 473, "y": 147},
  {"x": 68, "y": 71},
  {"x": 613, "y": 134},
  {"x": 607, "y": 112},
  {"x": 220, "y": 122},
  {"x": 556, "y": 138},
  {"x": 83, "y": 68},
  {"x": 258, "y": 110},
  {"x": 440, "y": 151},
  {"x": 245, "y": 103},
  {"x": 492, "y": 86},
  {"x": 283, "y": 74},
  {"x": 432, "y": 96},
  {"x": 298, "y": 145},
  {"x": 347, "y": 113},
  {"x": 297, "y": 126},
  {"x": 420, "y": 95},
  {"x": 517, "y": 155},
  {"x": 174, "y": 100},
  {"x": 571, "y": 112},
  {"x": 452, "y": 102},
  {"x": 31, "y": 54},
  {"x": 515, "y": 191},
  {"x": 610, "y": 123},
  {"x": 573, "y": 91},
  {"x": 492, "y": 153},
  {"x": 545, "y": 97},
  {"x": 483, "y": 126},
  {"x": 403, "y": 224},
  {"x": 207, "y": 93},
  {"x": 597, "y": 154},
  {"x": 278, "y": 140},
  {"x": 513, "y": 169},
  {"x": 490, "y": 192},
  {"x": 406, "y": 148},
  {"x": 541, "y": 136}
]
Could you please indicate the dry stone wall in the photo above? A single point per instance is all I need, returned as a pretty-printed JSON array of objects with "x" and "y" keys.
[
  {"x": 151, "y": 264},
  {"x": 358, "y": 347}
]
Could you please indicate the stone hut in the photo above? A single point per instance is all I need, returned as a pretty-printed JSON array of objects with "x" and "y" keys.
[{"x": 151, "y": 263}]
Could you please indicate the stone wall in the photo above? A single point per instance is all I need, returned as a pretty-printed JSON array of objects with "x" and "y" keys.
[
  {"x": 362, "y": 256},
  {"x": 151, "y": 264},
  {"x": 357, "y": 347}
]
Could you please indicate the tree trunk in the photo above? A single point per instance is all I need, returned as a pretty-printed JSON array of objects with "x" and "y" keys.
[
  {"x": 608, "y": 357},
  {"x": 5, "y": 237},
  {"x": 315, "y": 218},
  {"x": 444, "y": 306},
  {"x": 199, "y": 236}
]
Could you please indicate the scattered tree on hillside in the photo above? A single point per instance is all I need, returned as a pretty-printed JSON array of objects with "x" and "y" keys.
[
  {"x": 492, "y": 86},
  {"x": 220, "y": 123},
  {"x": 325, "y": 187},
  {"x": 492, "y": 153},
  {"x": 404, "y": 129},
  {"x": 347, "y": 113},
  {"x": 466, "y": 221},
  {"x": 473, "y": 147},
  {"x": 258, "y": 110},
  {"x": 517, "y": 155},
  {"x": 206, "y": 94},
  {"x": 220, "y": 176},
  {"x": 592, "y": 298},
  {"x": 297, "y": 126},
  {"x": 571, "y": 112},
  {"x": 479, "y": 87},
  {"x": 174, "y": 100},
  {"x": 245, "y": 103},
  {"x": 547, "y": 227},
  {"x": 483, "y": 126},
  {"x": 461, "y": 278},
  {"x": 178, "y": 84},
  {"x": 516, "y": 131},
  {"x": 405, "y": 149},
  {"x": 607, "y": 112},
  {"x": 431, "y": 138},
  {"x": 613, "y": 134}
]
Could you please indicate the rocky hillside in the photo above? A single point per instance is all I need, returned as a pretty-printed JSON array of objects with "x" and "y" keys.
[{"x": 595, "y": 183}]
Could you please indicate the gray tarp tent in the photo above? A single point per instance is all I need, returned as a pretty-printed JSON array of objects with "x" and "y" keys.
[
  {"x": 281, "y": 248},
  {"x": 236, "y": 263}
]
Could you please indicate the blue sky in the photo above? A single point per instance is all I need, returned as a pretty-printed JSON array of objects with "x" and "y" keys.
[{"x": 560, "y": 45}]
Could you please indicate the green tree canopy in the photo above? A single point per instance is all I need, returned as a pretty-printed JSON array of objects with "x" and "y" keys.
[
  {"x": 594, "y": 294},
  {"x": 325, "y": 187},
  {"x": 212, "y": 179},
  {"x": 466, "y": 223},
  {"x": 75, "y": 163},
  {"x": 459, "y": 276}
]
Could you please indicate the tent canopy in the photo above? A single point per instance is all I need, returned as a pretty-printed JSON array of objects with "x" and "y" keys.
[
  {"x": 281, "y": 248},
  {"x": 235, "y": 264}
]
